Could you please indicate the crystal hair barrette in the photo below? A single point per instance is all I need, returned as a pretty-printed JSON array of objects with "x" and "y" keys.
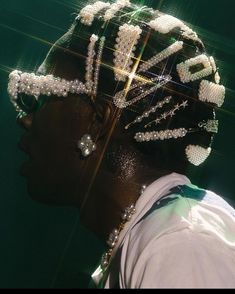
[{"x": 211, "y": 126}]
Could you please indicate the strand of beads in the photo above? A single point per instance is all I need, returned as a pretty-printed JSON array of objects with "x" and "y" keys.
[{"x": 114, "y": 236}]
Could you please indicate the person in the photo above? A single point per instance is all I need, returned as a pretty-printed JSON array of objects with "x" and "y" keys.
[{"x": 122, "y": 105}]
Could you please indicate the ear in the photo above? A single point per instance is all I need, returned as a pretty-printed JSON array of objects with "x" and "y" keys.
[{"x": 104, "y": 114}]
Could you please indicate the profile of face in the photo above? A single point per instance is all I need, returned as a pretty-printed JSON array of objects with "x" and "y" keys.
[{"x": 57, "y": 173}]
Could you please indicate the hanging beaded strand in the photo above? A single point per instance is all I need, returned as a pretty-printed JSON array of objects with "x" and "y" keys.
[{"x": 114, "y": 236}]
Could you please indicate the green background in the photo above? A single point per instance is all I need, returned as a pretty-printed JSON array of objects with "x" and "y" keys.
[{"x": 43, "y": 247}]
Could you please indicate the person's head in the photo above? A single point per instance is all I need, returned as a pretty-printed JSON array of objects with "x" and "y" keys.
[{"x": 139, "y": 82}]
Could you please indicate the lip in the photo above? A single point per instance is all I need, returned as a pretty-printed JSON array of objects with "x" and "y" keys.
[{"x": 23, "y": 144}]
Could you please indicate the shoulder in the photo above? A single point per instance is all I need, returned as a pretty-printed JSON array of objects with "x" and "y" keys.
[
  {"x": 191, "y": 211},
  {"x": 182, "y": 238},
  {"x": 185, "y": 207}
]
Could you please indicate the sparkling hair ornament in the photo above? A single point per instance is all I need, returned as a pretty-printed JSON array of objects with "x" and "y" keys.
[
  {"x": 86, "y": 145},
  {"x": 167, "y": 114},
  {"x": 210, "y": 126},
  {"x": 196, "y": 155},
  {"x": 165, "y": 23},
  {"x": 187, "y": 76},
  {"x": 127, "y": 40},
  {"x": 135, "y": 74},
  {"x": 146, "y": 114},
  {"x": 88, "y": 13},
  {"x": 36, "y": 85},
  {"x": 212, "y": 93},
  {"x": 114, "y": 8}
]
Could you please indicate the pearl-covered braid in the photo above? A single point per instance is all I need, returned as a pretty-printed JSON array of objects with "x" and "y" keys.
[{"x": 125, "y": 47}]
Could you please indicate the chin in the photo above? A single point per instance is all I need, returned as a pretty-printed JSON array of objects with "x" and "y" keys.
[{"x": 42, "y": 195}]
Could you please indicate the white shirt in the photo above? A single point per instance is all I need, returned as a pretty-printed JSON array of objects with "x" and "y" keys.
[{"x": 188, "y": 243}]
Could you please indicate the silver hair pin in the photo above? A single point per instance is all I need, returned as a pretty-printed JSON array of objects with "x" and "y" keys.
[
  {"x": 120, "y": 97},
  {"x": 153, "y": 109},
  {"x": 98, "y": 64},
  {"x": 167, "y": 114}
]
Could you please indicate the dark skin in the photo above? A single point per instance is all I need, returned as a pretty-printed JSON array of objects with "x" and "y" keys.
[{"x": 100, "y": 186}]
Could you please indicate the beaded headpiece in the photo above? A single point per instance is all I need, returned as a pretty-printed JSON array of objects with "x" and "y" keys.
[{"x": 140, "y": 79}]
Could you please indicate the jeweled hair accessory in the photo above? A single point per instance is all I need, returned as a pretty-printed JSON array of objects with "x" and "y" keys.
[
  {"x": 139, "y": 80},
  {"x": 127, "y": 40},
  {"x": 197, "y": 154},
  {"x": 86, "y": 145},
  {"x": 88, "y": 13},
  {"x": 165, "y": 23},
  {"x": 211, "y": 92},
  {"x": 36, "y": 85},
  {"x": 210, "y": 126}
]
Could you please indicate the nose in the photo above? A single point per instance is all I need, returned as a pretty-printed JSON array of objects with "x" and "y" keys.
[{"x": 25, "y": 121}]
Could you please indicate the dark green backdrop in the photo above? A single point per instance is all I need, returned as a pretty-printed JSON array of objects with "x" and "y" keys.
[{"x": 43, "y": 247}]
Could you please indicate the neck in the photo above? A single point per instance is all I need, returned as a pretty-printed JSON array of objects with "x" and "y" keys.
[{"x": 109, "y": 199}]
